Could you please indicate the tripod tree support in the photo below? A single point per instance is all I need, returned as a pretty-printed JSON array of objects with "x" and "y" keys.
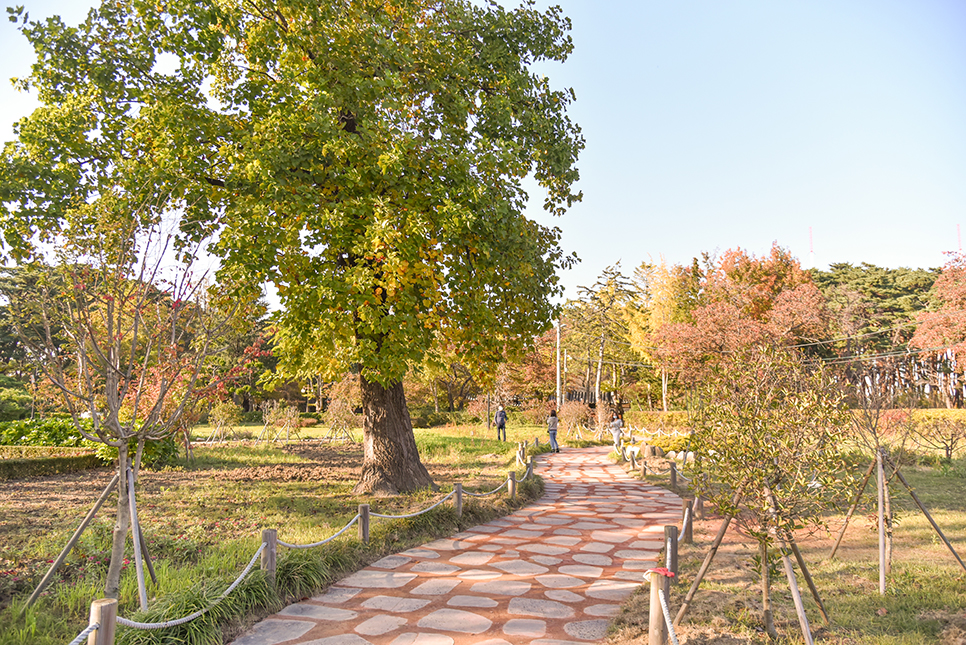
[
  {"x": 71, "y": 543},
  {"x": 928, "y": 516},
  {"x": 855, "y": 504},
  {"x": 703, "y": 570},
  {"x": 808, "y": 579}
]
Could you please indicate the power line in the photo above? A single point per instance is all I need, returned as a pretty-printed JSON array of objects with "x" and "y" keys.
[{"x": 837, "y": 340}]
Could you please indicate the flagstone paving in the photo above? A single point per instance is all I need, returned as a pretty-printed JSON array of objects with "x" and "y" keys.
[{"x": 554, "y": 573}]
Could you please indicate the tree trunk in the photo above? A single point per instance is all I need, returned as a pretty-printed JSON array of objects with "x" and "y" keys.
[
  {"x": 390, "y": 463},
  {"x": 664, "y": 389},
  {"x": 113, "y": 584},
  {"x": 766, "y": 592},
  {"x": 600, "y": 365}
]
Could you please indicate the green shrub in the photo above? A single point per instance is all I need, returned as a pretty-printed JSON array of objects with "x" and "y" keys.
[
  {"x": 653, "y": 421},
  {"x": 667, "y": 443},
  {"x": 427, "y": 417},
  {"x": 14, "y": 403},
  {"x": 255, "y": 416},
  {"x": 49, "y": 431},
  {"x": 157, "y": 454}
]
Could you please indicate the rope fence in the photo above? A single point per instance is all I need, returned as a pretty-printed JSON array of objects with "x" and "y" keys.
[
  {"x": 495, "y": 490},
  {"x": 200, "y": 612},
  {"x": 80, "y": 638},
  {"x": 104, "y": 611},
  {"x": 667, "y": 617},
  {"x": 328, "y": 539},
  {"x": 406, "y": 517}
]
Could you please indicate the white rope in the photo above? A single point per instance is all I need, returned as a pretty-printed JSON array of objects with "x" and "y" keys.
[
  {"x": 686, "y": 521},
  {"x": 667, "y": 617},
  {"x": 466, "y": 492},
  {"x": 328, "y": 539},
  {"x": 80, "y": 638},
  {"x": 200, "y": 612},
  {"x": 404, "y": 517}
]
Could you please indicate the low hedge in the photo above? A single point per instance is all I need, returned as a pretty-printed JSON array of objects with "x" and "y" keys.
[
  {"x": 666, "y": 421},
  {"x": 20, "y": 462}
]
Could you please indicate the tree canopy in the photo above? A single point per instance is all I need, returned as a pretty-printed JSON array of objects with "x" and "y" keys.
[{"x": 365, "y": 157}]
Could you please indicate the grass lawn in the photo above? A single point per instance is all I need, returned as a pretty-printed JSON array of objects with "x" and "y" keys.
[
  {"x": 925, "y": 600},
  {"x": 203, "y": 522}
]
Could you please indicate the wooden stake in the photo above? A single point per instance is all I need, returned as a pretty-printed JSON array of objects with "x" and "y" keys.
[
  {"x": 71, "y": 542},
  {"x": 655, "y": 615},
  {"x": 671, "y": 546},
  {"x": 929, "y": 517},
  {"x": 808, "y": 579},
  {"x": 797, "y": 599},
  {"x": 269, "y": 555},
  {"x": 703, "y": 570},
  {"x": 880, "y": 483},
  {"x": 855, "y": 504},
  {"x": 104, "y": 613}
]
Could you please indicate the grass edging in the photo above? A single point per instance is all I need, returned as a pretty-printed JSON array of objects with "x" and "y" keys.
[{"x": 21, "y": 462}]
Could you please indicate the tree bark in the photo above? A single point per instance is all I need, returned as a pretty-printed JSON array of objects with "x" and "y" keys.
[
  {"x": 113, "y": 584},
  {"x": 766, "y": 592},
  {"x": 390, "y": 463}
]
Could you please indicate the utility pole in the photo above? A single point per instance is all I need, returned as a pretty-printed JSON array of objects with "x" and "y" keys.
[{"x": 559, "y": 392}]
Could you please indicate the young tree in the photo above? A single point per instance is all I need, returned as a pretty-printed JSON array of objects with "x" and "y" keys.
[
  {"x": 768, "y": 430},
  {"x": 123, "y": 329},
  {"x": 665, "y": 295},
  {"x": 745, "y": 301},
  {"x": 366, "y": 157}
]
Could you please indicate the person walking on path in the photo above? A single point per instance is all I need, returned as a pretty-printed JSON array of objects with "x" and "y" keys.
[
  {"x": 500, "y": 421},
  {"x": 552, "y": 430},
  {"x": 615, "y": 429}
]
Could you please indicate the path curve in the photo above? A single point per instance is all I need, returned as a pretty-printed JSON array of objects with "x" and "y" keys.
[{"x": 552, "y": 573}]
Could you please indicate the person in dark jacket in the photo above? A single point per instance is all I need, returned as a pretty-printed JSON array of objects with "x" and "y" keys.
[{"x": 500, "y": 421}]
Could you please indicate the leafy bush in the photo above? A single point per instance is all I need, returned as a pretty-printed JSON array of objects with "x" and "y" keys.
[
  {"x": 50, "y": 431},
  {"x": 255, "y": 416},
  {"x": 535, "y": 413},
  {"x": 667, "y": 443},
  {"x": 427, "y": 417},
  {"x": 224, "y": 416},
  {"x": 653, "y": 421},
  {"x": 14, "y": 403},
  {"x": 157, "y": 454}
]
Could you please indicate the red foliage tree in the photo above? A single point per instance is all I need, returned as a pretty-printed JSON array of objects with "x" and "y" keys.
[{"x": 745, "y": 301}]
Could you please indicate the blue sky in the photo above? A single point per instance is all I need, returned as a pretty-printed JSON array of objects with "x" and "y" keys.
[{"x": 712, "y": 125}]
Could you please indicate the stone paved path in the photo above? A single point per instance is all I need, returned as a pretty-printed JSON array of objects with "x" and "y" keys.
[{"x": 553, "y": 573}]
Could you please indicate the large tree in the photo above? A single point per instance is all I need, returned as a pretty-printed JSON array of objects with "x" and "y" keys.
[{"x": 364, "y": 156}]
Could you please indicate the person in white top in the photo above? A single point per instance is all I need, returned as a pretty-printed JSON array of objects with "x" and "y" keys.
[{"x": 552, "y": 430}]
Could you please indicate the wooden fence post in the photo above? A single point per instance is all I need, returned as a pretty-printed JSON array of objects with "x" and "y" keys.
[
  {"x": 671, "y": 544},
  {"x": 655, "y": 619},
  {"x": 674, "y": 475},
  {"x": 458, "y": 499},
  {"x": 104, "y": 613},
  {"x": 699, "y": 507},
  {"x": 364, "y": 523},
  {"x": 270, "y": 554},
  {"x": 512, "y": 484},
  {"x": 687, "y": 521}
]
